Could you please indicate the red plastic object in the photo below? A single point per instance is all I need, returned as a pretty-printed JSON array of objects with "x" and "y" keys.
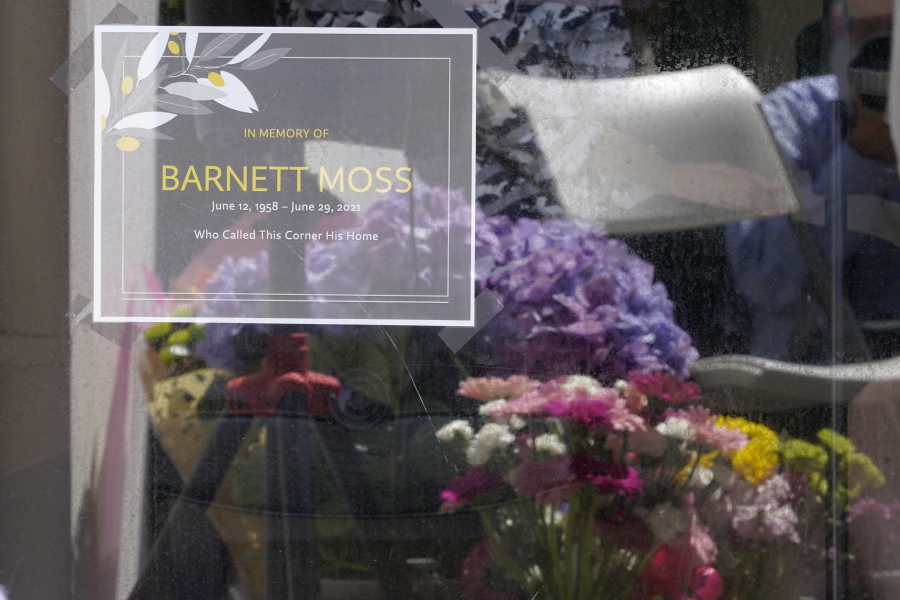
[{"x": 284, "y": 371}]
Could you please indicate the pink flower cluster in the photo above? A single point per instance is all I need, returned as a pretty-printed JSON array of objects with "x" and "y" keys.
[
  {"x": 681, "y": 569},
  {"x": 549, "y": 481},
  {"x": 496, "y": 388},
  {"x": 608, "y": 476},
  {"x": 590, "y": 412},
  {"x": 762, "y": 512},
  {"x": 593, "y": 406},
  {"x": 553, "y": 481},
  {"x": 706, "y": 432},
  {"x": 587, "y": 403},
  {"x": 667, "y": 576},
  {"x": 885, "y": 515},
  {"x": 668, "y": 388},
  {"x": 462, "y": 490},
  {"x": 888, "y": 511}
]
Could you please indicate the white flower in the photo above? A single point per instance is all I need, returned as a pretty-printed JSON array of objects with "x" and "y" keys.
[
  {"x": 516, "y": 422},
  {"x": 549, "y": 443},
  {"x": 583, "y": 382},
  {"x": 666, "y": 522},
  {"x": 492, "y": 436},
  {"x": 678, "y": 428},
  {"x": 553, "y": 516},
  {"x": 701, "y": 477},
  {"x": 451, "y": 430},
  {"x": 485, "y": 409}
]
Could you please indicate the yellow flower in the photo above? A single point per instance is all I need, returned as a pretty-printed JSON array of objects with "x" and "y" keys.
[{"x": 758, "y": 460}]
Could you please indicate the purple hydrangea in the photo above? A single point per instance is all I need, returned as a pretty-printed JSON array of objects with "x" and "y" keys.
[
  {"x": 232, "y": 277},
  {"x": 575, "y": 301},
  {"x": 409, "y": 257}
]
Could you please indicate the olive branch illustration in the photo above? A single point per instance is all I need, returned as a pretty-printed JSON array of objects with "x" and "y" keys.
[{"x": 123, "y": 99}]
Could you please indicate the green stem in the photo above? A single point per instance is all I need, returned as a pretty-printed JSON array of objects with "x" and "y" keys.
[
  {"x": 500, "y": 552},
  {"x": 603, "y": 568},
  {"x": 646, "y": 560},
  {"x": 568, "y": 545},
  {"x": 553, "y": 551},
  {"x": 687, "y": 481},
  {"x": 585, "y": 549}
]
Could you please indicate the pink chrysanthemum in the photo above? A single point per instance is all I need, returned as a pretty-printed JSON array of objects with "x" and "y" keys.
[
  {"x": 706, "y": 432},
  {"x": 609, "y": 477},
  {"x": 477, "y": 482},
  {"x": 549, "y": 481},
  {"x": 559, "y": 390},
  {"x": 665, "y": 386},
  {"x": 590, "y": 412},
  {"x": 621, "y": 418},
  {"x": 699, "y": 548},
  {"x": 496, "y": 388},
  {"x": 530, "y": 403}
]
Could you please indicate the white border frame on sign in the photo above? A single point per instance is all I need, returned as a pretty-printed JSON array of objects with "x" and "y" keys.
[{"x": 97, "y": 312}]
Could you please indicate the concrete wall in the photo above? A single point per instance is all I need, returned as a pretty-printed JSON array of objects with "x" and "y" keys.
[{"x": 35, "y": 551}]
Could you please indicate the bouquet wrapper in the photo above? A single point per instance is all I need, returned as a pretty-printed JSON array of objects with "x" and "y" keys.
[{"x": 173, "y": 408}]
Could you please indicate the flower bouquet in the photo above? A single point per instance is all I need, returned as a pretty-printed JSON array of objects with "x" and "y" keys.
[
  {"x": 184, "y": 373},
  {"x": 631, "y": 491}
]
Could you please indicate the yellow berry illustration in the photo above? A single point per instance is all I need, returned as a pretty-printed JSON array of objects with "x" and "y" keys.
[
  {"x": 102, "y": 122},
  {"x": 127, "y": 85},
  {"x": 173, "y": 33},
  {"x": 128, "y": 144},
  {"x": 216, "y": 79},
  {"x": 173, "y": 47}
]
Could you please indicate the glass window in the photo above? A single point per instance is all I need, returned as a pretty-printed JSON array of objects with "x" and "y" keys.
[{"x": 299, "y": 302}]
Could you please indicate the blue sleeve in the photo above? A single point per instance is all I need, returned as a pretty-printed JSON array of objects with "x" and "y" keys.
[
  {"x": 799, "y": 115},
  {"x": 764, "y": 255},
  {"x": 766, "y": 262},
  {"x": 769, "y": 272}
]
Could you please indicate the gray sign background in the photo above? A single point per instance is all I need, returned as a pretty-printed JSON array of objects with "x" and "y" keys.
[{"x": 397, "y": 99}]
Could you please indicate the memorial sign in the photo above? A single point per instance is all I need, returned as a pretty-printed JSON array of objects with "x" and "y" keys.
[{"x": 284, "y": 175}]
